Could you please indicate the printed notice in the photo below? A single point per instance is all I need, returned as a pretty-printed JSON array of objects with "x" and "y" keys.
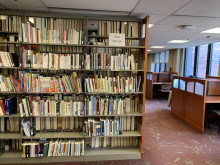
[{"x": 116, "y": 39}]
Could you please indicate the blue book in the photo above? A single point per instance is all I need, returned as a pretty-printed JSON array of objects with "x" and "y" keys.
[
  {"x": 111, "y": 106},
  {"x": 94, "y": 105},
  {"x": 8, "y": 106},
  {"x": 87, "y": 106},
  {"x": 71, "y": 83},
  {"x": 95, "y": 62},
  {"x": 36, "y": 150},
  {"x": 70, "y": 149},
  {"x": 103, "y": 128},
  {"x": 123, "y": 61}
]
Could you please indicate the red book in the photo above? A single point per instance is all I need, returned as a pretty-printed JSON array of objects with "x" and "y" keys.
[{"x": 2, "y": 104}]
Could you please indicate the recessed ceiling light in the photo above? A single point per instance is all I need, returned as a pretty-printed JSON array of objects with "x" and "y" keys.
[
  {"x": 178, "y": 41},
  {"x": 214, "y": 30},
  {"x": 149, "y": 50},
  {"x": 150, "y": 25},
  {"x": 157, "y": 47}
]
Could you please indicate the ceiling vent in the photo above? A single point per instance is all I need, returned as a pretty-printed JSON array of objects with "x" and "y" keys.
[{"x": 187, "y": 27}]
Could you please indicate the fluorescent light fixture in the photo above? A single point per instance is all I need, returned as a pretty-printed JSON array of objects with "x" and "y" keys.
[
  {"x": 178, "y": 41},
  {"x": 150, "y": 25},
  {"x": 149, "y": 50},
  {"x": 214, "y": 30},
  {"x": 157, "y": 47}
]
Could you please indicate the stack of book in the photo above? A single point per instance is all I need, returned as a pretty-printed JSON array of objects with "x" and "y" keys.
[
  {"x": 110, "y": 106},
  {"x": 33, "y": 106},
  {"x": 102, "y": 127},
  {"x": 112, "y": 84},
  {"x": 9, "y": 84},
  {"x": 37, "y": 83},
  {"x": 98, "y": 142},
  {"x": 53, "y": 148}
]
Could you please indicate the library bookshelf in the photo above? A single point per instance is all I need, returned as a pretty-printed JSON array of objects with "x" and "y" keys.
[{"x": 129, "y": 143}]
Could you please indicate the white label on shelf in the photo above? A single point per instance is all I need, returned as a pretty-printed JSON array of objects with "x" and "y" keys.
[{"x": 116, "y": 39}]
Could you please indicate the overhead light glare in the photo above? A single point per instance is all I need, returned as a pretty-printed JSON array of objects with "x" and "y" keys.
[
  {"x": 178, "y": 41},
  {"x": 149, "y": 50},
  {"x": 150, "y": 25},
  {"x": 214, "y": 30},
  {"x": 157, "y": 47}
]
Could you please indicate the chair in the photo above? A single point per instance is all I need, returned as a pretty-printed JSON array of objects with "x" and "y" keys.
[
  {"x": 165, "y": 88},
  {"x": 217, "y": 112}
]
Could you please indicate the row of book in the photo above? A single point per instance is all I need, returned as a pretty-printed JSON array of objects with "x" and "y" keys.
[
  {"x": 110, "y": 106},
  {"x": 112, "y": 84},
  {"x": 77, "y": 61},
  {"x": 58, "y": 123},
  {"x": 57, "y": 23},
  {"x": 109, "y": 126},
  {"x": 37, "y": 83},
  {"x": 10, "y": 144},
  {"x": 34, "y": 106},
  {"x": 30, "y": 34},
  {"x": 130, "y": 29},
  {"x": 11, "y": 124},
  {"x": 99, "y": 142},
  {"x": 9, "y": 23},
  {"x": 9, "y": 84},
  {"x": 102, "y": 127},
  {"x": 30, "y": 106},
  {"x": 52, "y": 148}
]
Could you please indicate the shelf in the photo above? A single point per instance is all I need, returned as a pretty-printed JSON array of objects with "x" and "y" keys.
[
  {"x": 7, "y": 42},
  {"x": 125, "y": 47},
  {"x": 111, "y": 154},
  {"x": 91, "y": 154},
  {"x": 115, "y": 93},
  {"x": 124, "y": 134},
  {"x": 129, "y": 114},
  {"x": 56, "y": 135},
  {"x": 6, "y": 32},
  {"x": 13, "y": 115},
  {"x": 54, "y": 69},
  {"x": 106, "y": 37},
  {"x": 16, "y": 157},
  {"x": 51, "y": 93},
  {"x": 6, "y": 135},
  {"x": 51, "y": 44}
]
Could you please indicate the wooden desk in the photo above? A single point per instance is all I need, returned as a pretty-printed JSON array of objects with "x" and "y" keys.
[
  {"x": 212, "y": 99},
  {"x": 160, "y": 83},
  {"x": 157, "y": 78}
]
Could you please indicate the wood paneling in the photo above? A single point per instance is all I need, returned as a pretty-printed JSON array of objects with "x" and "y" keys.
[
  {"x": 214, "y": 88},
  {"x": 149, "y": 89}
]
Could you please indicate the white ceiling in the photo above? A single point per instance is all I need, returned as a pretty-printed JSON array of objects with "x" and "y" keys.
[{"x": 167, "y": 15}]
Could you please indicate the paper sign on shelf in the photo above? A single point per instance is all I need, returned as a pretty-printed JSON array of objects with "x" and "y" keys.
[{"x": 116, "y": 39}]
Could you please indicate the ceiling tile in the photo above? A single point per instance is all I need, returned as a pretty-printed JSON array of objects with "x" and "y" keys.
[
  {"x": 31, "y": 3},
  {"x": 111, "y": 5},
  {"x": 195, "y": 21},
  {"x": 163, "y": 7},
  {"x": 201, "y": 8}
]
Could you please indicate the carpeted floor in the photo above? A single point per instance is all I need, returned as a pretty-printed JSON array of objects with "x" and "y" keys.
[{"x": 168, "y": 141}]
